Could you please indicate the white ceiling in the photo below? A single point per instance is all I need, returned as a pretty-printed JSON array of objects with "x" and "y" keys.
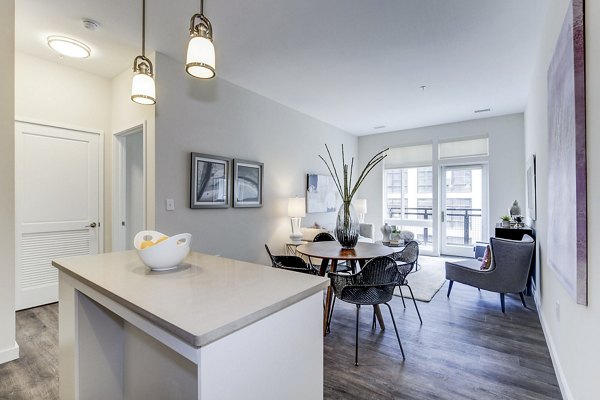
[{"x": 354, "y": 64}]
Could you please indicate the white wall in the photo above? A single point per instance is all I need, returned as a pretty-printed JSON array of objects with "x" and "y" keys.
[
  {"x": 125, "y": 114},
  {"x": 573, "y": 337},
  {"x": 220, "y": 118},
  {"x": 134, "y": 188},
  {"x": 8, "y": 347},
  {"x": 51, "y": 93},
  {"x": 506, "y": 163}
]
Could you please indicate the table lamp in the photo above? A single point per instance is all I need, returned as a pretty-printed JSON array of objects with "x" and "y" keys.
[
  {"x": 296, "y": 210},
  {"x": 360, "y": 205}
]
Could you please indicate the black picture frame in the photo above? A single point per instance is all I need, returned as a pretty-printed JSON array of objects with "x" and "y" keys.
[
  {"x": 209, "y": 181},
  {"x": 247, "y": 184}
]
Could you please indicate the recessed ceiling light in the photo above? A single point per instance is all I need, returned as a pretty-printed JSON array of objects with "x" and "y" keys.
[
  {"x": 482, "y": 110},
  {"x": 68, "y": 47},
  {"x": 379, "y": 127}
]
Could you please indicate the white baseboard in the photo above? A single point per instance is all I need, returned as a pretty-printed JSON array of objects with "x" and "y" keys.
[
  {"x": 12, "y": 353},
  {"x": 560, "y": 376}
]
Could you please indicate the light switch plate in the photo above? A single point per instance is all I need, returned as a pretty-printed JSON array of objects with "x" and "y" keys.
[{"x": 170, "y": 205}]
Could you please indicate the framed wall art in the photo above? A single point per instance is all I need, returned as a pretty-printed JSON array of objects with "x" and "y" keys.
[
  {"x": 321, "y": 194},
  {"x": 247, "y": 183},
  {"x": 567, "y": 170},
  {"x": 209, "y": 181}
]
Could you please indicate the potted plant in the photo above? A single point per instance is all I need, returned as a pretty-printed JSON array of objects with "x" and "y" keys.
[
  {"x": 347, "y": 224},
  {"x": 505, "y": 221}
]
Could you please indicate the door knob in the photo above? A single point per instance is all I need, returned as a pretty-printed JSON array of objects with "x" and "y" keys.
[{"x": 92, "y": 225}]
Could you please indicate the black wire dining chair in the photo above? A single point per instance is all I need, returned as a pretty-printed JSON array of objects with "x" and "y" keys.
[
  {"x": 328, "y": 237},
  {"x": 291, "y": 263},
  {"x": 406, "y": 261},
  {"x": 373, "y": 285}
]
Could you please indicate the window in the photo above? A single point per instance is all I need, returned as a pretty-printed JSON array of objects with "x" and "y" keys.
[
  {"x": 424, "y": 180},
  {"x": 459, "y": 181}
]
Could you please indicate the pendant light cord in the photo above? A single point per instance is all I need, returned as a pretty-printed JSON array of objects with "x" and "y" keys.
[
  {"x": 143, "y": 28},
  {"x": 201, "y": 7}
]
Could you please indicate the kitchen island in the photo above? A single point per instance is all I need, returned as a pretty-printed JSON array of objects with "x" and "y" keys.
[{"x": 214, "y": 328}]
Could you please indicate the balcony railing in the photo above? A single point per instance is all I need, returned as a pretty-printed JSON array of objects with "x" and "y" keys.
[{"x": 463, "y": 224}]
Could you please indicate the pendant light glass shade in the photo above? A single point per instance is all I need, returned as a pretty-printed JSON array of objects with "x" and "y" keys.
[
  {"x": 200, "y": 61},
  {"x": 143, "y": 90}
]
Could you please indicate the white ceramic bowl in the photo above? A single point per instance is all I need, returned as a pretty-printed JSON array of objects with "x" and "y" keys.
[{"x": 166, "y": 254}]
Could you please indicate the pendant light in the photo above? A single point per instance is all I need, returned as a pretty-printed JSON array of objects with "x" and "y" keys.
[
  {"x": 200, "y": 61},
  {"x": 143, "y": 90}
]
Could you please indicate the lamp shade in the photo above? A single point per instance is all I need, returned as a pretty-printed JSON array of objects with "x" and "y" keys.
[
  {"x": 143, "y": 90},
  {"x": 297, "y": 207},
  {"x": 360, "y": 205},
  {"x": 200, "y": 61}
]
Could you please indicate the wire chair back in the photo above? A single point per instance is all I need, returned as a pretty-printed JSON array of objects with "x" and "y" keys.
[
  {"x": 290, "y": 263},
  {"x": 373, "y": 284},
  {"x": 324, "y": 237}
]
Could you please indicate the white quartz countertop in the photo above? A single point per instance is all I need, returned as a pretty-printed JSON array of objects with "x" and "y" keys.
[{"x": 203, "y": 300}]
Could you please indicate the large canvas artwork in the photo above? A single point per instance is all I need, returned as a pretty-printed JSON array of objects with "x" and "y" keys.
[
  {"x": 321, "y": 194},
  {"x": 567, "y": 180}
]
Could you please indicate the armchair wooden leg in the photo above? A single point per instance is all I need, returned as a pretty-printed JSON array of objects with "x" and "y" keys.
[
  {"x": 502, "y": 301},
  {"x": 523, "y": 299},
  {"x": 450, "y": 283}
]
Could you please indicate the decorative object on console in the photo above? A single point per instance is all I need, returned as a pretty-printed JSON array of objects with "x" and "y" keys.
[
  {"x": 296, "y": 211},
  {"x": 515, "y": 209},
  {"x": 209, "y": 181},
  {"x": 566, "y": 251},
  {"x": 200, "y": 62},
  {"x": 386, "y": 231},
  {"x": 247, "y": 183},
  {"x": 347, "y": 228},
  {"x": 505, "y": 221},
  {"x": 321, "y": 194},
  {"x": 361, "y": 208},
  {"x": 160, "y": 252}
]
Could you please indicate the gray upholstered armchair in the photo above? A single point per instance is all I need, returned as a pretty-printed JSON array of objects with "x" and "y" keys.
[{"x": 508, "y": 272}]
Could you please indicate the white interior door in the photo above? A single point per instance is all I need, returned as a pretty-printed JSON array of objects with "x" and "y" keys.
[
  {"x": 58, "y": 204},
  {"x": 464, "y": 208}
]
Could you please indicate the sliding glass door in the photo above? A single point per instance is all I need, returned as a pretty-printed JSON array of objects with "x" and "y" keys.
[{"x": 463, "y": 211}]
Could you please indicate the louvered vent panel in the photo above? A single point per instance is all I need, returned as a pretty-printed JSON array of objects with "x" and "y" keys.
[{"x": 39, "y": 249}]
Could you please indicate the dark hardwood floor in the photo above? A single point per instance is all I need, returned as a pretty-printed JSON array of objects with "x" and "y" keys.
[
  {"x": 35, "y": 374},
  {"x": 466, "y": 349}
]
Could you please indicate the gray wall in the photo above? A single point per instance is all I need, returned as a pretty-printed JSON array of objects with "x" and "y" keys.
[
  {"x": 506, "y": 160},
  {"x": 7, "y": 181},
  {"x": 220, "y": 118}
]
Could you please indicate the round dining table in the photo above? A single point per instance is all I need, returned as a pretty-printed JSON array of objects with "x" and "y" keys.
[{"x": 333, "y": 252}]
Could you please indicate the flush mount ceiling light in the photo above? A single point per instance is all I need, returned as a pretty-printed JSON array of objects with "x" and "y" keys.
[
  {"x": 68, "y": 47},
  {"x": 143, "y": 90},
  {"x": 200, "y": 61}
]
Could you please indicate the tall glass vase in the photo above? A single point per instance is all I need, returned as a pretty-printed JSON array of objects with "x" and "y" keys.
[{"x": 347, "y": 226}]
